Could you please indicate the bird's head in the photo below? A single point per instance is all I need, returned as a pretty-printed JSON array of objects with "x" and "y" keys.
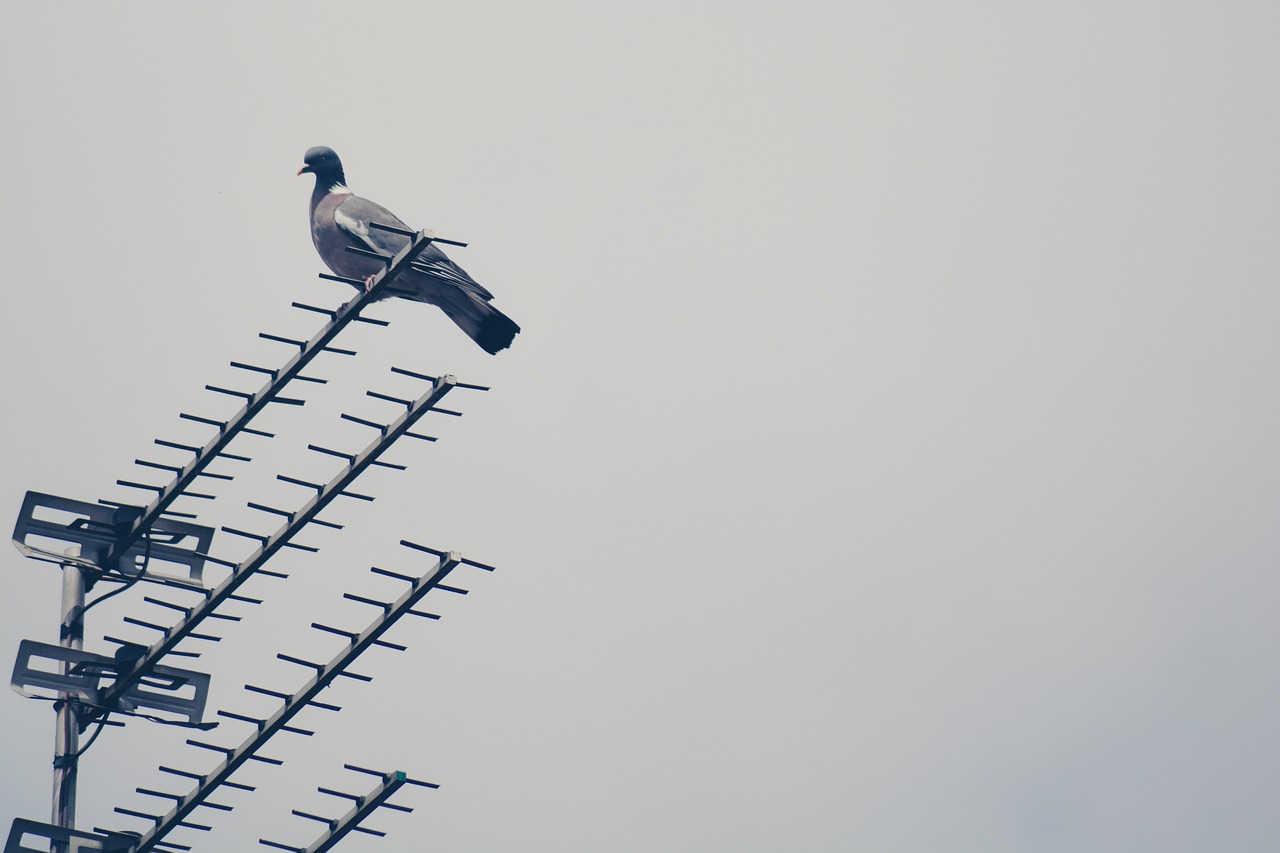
[{"x": 323, "y": 162}]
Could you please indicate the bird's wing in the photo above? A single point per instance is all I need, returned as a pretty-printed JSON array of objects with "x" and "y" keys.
[
  {"x": 353, "y": 217},
  {"x": 436, "y": 264}
]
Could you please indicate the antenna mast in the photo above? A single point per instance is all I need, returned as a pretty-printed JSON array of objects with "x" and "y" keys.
[{"x": 113, "y": 543}]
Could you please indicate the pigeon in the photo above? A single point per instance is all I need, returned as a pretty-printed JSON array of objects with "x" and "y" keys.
[{"x": 340, "y": 219}]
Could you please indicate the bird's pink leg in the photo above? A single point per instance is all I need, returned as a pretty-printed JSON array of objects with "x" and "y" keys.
[{"x": 368, "y": 283}]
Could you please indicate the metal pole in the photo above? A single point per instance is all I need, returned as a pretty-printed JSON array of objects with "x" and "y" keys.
[{"x": 67, "y": 735}]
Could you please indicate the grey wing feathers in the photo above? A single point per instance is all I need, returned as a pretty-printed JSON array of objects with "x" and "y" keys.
[
  {"x": 436, "y": 264},
  {"x": 354, "y": 215}
]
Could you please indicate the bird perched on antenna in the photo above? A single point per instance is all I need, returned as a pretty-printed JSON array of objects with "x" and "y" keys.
[{"x": 340, "y": 219}]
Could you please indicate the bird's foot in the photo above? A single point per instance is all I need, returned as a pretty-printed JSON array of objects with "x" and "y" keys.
[{"x": 368, "y": 283}]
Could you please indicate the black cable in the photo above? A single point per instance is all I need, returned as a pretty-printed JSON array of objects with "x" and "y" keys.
[
  {"x": 102, "y": 723},
  {"x": 146, "y": 561},
  {"x": 72, "y": 758},
  {"x": 204, "y": 727}
]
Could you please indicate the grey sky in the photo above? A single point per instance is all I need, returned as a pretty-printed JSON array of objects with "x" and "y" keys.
[{"x": 889, "y": 460}]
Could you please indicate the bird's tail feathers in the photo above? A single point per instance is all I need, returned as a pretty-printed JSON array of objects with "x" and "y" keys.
[{"x": 484, "y": 324}]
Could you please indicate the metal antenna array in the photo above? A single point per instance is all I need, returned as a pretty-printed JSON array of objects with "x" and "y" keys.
[
  {"x": 364, "y": 806},
  {"x": 117, "y": 543}
]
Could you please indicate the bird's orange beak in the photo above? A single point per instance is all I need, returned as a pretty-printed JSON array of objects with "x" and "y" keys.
[{"x": 304, "y": 169}]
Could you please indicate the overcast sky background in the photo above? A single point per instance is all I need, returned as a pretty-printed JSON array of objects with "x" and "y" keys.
[{"x": 890, "y": 460}]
